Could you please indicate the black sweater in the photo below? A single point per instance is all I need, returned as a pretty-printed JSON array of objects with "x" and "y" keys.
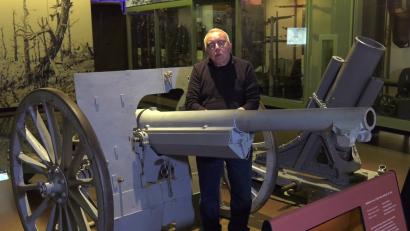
[{"x": 229, "y": 87}]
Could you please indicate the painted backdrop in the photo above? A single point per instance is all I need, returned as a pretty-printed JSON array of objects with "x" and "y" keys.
[{"x": 42, "y": 43}]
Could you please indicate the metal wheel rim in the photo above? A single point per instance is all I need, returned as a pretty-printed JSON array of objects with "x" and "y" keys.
[
  {"x": 267, "y": 173},
  {"x": 67, "y": 183}
]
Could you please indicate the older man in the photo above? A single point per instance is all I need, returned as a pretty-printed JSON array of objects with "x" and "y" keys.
[{"x": 223, "y": 81}]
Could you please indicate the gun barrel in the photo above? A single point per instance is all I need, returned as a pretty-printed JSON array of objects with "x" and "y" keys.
[
  {"x": 313, "y": 119},
  {"x": 358, "y": 69},
  {"x": 210, "y": 133},
  {"x": 305, "y": 119}
]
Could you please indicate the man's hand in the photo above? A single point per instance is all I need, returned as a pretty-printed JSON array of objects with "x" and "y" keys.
[{"x": 241, "y": 108}]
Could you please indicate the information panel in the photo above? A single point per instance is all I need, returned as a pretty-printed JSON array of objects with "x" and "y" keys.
[{"x": 373, "y": 205}]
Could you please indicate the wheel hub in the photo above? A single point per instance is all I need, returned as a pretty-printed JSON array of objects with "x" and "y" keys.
[{"x": 56, "y": 187}]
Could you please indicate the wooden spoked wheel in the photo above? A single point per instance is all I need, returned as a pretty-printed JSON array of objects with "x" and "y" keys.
[{"x": 58, "y": 171}]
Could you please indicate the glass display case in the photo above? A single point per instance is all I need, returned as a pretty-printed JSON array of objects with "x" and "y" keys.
[
  {"x": 170, "y": 37},
  {"x": 389, "y": 23},
  {"x": 329, "y": 34},
  {"x": 211, "y": 14},
  {"x": 289, "y": 42},
  {"x": 143, "y": 40},
  {"x": 175, "y": 37},
  {"x": 160, "y": 37},
  {"x": 253, "y": 39},
  {"x": 283, "y": 46},
  {"x": 258, "y": 31}
]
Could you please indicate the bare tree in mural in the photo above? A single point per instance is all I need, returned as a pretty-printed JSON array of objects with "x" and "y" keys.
[
  {"x": 3, "y": 44},
  {"x": 25, "y": 34},
  {"x": 69, "y": 46},
  {"x": 62, "y": 12},
  {"x": 5, "y": 85},
  {"x": 34, "y": 56},
  {"x": 68, "y": 49},
  {"x": 70, "y": 40},
  {"x": 37, "y": 48},
  {"x": 34, "y": 43},
  {"x": 15, "y": 37},
  {"x": 43, "y": 24}
]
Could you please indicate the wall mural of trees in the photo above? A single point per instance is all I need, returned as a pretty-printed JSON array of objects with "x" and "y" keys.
[{"x": 42, "y": 44}]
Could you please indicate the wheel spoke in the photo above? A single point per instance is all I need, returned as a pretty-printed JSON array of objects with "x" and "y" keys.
[
  {"x": 83, "y": 182},
  {"x": 86, "y": 204},
  {"x": 79, "y": 216},
  {"x": 76, "y": 161},
  {"x": 258, "y": 152},
  {"x": 31, "y": 224},
  {"x": 67, "y": 145},
  {"x": 54, "y": 129},
  {"x": 26, "y": 218},
  {"x": 32, "y": 163},
  {"x": 259, "y": 146},
  {"x": 87, "y": 224},
  {"x": 42, "y": 132},
  {"x": 258, "y": 169},
  {"x": 36, "y": 145},
  {"x": 254, "y": 193},
  {"x": 68, "y": 219},
  {"x": 39, "y": 210},
  {"x": 27, "y": 187},
  {"x": 60, "y": 217},
  {"x": 52, "y": 219}
]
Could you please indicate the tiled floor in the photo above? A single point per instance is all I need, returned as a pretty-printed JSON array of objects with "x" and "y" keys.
[{"x": 388, "y": 153}]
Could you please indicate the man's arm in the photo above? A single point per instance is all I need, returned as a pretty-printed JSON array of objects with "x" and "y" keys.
[
  {"x": 251, "y": 88},
  {"x": 193, "y": 96}
]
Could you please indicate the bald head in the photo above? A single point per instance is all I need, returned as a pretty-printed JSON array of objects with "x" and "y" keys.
[
  {"x": 215, "y": 30},
  {"x": 218, "y": 46}
]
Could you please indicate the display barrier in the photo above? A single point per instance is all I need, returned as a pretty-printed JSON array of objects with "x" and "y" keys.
[
  {"x": 371, "y": 205},
  {"x": 405, "y": 198}
]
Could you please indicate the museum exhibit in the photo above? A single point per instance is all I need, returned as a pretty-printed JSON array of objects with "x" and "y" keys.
[{"x": 160, "y": 115}]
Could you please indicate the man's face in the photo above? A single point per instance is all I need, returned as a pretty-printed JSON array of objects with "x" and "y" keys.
[{"x": 218, "y": 48}]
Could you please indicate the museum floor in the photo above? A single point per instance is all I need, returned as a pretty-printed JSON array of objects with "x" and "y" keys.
[{"x": 389, "y": 151}]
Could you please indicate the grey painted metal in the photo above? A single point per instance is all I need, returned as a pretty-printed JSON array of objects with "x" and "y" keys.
[
  {"x": 141, "y": 195},
  {"x": 354, "y": 76},
  {"x": 329, "y": 76},
  {"x": 149, "y": 190},
  {"x": 368, "y": 97},
  {"x": 109, "y": 99},
  {"x": 266, "y": 175},
  {"x": 175, "y": 132},
  {"x": 317, "y": 98},
  {"x": 352, "y": 85},
  {"x": 209, "y": 142},
  {"x": 252, "y": 120}
]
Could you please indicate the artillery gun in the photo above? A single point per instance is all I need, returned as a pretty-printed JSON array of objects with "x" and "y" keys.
[
  {"x": 313, "y": 159},
  {"x": 108, "y": 166}
]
